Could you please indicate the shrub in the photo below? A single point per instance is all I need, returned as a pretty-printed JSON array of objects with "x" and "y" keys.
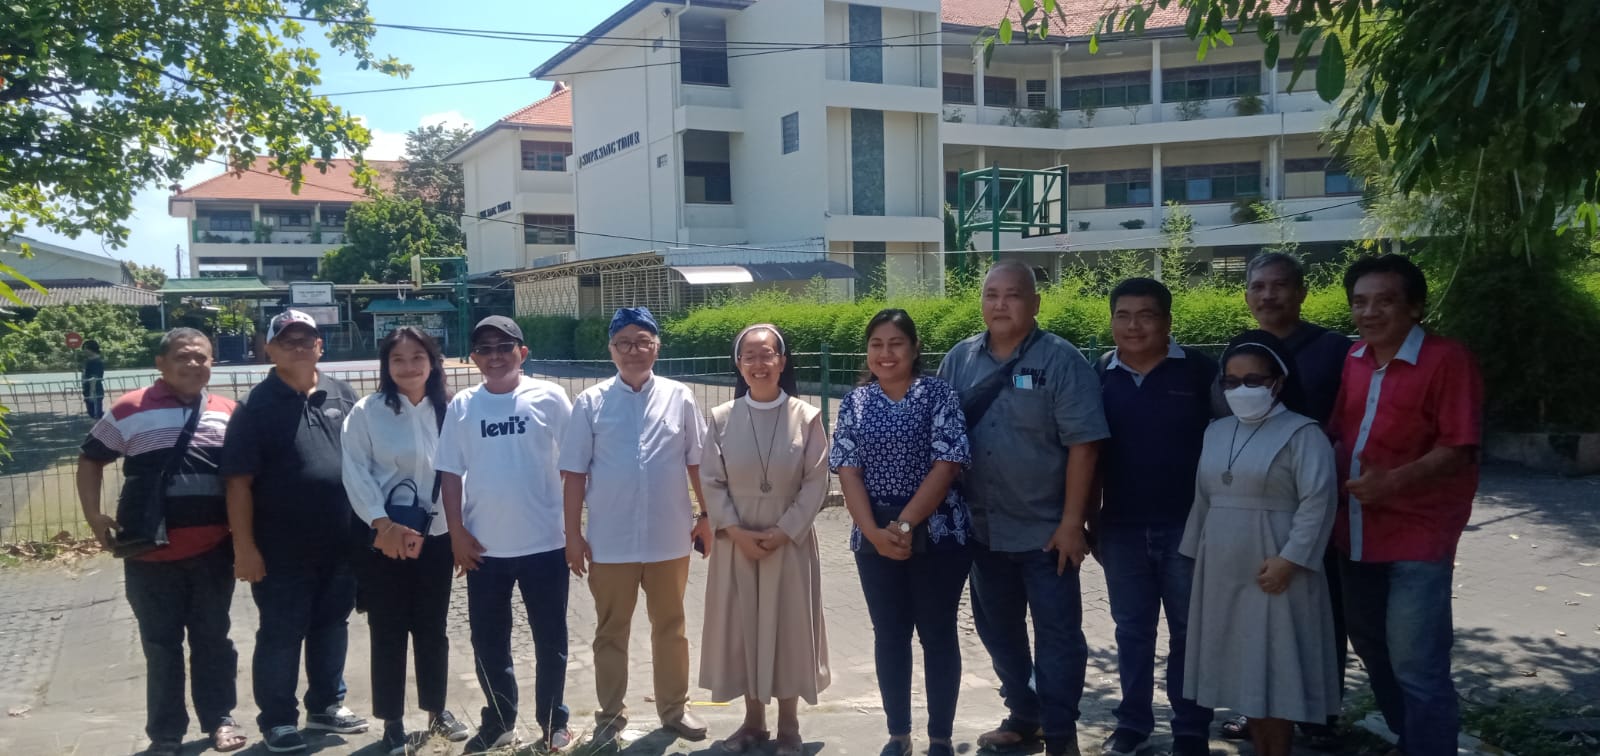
[
  {"x": 590, "y": 340},
  {"x": 549, "y": 337},
  {"x": 40, "y": 344},
  {"x": 1209, "y": 315}
]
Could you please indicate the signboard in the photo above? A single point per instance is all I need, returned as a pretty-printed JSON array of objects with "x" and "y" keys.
[
  {"x": 74, "y": 340},
  {"x": 496, "y": 210},
  {"x": 310, "y": 293},
  {"x": 325, "y": 316},
  {"x": 431, "y": 323},
  {"x": 608, "y": 149}
]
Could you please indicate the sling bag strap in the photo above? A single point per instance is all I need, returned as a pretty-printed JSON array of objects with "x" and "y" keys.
[{"x": 976, "y": 401}]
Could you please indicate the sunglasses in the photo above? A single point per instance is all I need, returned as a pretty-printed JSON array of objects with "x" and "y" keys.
[
  {"x": 504, "y": 347},
  {"x": 1253, "y": 380}
]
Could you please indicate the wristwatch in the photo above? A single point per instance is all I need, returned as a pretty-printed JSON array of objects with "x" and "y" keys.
[
  {"x": 902, "y": 526},
  {"x": 698, "y": 516}
]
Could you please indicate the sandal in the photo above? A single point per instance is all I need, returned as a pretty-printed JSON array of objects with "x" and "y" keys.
[
  {"x": 744, "y": 739},
  {"x": 790, "y": 744},
  {"x": 1012, "y": 735},
  {"x": 228, "y": 737},
  {"x": 1237, "y": 728}
]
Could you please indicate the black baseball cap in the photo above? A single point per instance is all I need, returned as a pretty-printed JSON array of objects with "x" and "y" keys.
[{"x": 499, "y": 323}]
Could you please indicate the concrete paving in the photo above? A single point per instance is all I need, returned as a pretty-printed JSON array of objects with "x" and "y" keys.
[{"x": 72, "y": 674}]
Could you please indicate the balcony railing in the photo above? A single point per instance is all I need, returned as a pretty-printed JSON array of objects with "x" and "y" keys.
[
  {"x": 1127, "y": 115},
  {"x": 277, "y": 237}
]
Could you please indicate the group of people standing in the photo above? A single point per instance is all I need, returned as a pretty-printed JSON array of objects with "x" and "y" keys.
[{"x": 1208, "y": 491}]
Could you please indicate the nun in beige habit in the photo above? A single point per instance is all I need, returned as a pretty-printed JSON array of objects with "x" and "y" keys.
[{"x": 765, "y": 474}]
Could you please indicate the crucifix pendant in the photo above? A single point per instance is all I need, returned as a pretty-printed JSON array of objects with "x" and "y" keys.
[
  {"x": 1227, "y": 477},
  {"x": 766, "y": 487}
]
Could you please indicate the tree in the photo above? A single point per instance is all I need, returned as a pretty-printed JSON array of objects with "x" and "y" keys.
[
  {"x": 382, "y": 235},
  {"x": 427, "y": 178},
  {"x": 1449, "y": 81},
  {"x": 101, "y": 98},
  {"x": 40, "y": 343},
  {"x": 145, "y": 276}
]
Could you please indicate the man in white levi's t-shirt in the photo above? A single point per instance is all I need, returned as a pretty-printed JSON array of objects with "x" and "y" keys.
[{"x": 502, "y": 499}]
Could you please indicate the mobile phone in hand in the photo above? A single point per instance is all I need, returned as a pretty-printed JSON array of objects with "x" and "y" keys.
[{"x": 699, "y": 545}]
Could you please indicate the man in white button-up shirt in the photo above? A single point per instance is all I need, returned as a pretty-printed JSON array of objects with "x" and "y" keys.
[{"x": 632, "y": 451}]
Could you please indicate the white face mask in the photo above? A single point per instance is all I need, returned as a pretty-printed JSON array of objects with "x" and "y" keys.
[{"x": 1250, "y": 404}]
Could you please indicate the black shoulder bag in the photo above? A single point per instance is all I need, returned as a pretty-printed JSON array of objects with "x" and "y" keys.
[
  {"x": 976, "y": 401},
  {"x": 142, "y": 521}
]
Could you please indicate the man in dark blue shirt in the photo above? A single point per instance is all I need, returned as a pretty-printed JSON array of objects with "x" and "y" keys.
[
  {"x": 1275, "y": 290},
  {"x": 1158, "y": 402}
]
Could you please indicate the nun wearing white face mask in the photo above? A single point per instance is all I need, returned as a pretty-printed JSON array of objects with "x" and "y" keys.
[{"x": 1260, "y": 623}]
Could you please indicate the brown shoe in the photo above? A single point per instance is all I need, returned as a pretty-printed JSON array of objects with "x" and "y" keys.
[{"x": 689, "y": 726}]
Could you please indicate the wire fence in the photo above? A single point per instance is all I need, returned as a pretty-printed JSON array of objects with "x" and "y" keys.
[{"x": 38, "y": 486}]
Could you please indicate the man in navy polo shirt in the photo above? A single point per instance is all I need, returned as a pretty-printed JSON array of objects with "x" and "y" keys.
[
  {"x": 294, "y": 533},
  {"x": 1158, "y": 401}
]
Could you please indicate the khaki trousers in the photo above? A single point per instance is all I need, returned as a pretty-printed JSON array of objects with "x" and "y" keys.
[{"x": 616, "y": 592}]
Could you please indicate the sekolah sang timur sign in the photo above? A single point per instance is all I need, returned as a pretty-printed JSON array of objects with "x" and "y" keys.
[{"x": 608, "y": 149}]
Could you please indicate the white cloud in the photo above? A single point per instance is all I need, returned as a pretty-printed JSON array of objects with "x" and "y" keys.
[
  {"x": 386, "y": 145},
  {"x": 449, "y": 118}
]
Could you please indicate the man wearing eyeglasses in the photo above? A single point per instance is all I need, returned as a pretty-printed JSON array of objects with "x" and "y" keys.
[
  {"x": 502, "y": 498},
  {"x": 632, "y": 452},
  {"x": 294, "y": 533},
  {"x": 1158, "y": 401}
]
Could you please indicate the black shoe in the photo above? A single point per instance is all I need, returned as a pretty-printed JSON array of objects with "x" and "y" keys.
[
  {"x": 1237, "y": 728},
  {"x": 489, "y": 739},
  {"x": 940, "y": 749},
  {"x": 1124, "y": 742},
  {"x": 284, "y": 739},
  {"x": 1190, "y": 745},
  {"x": 336, "y": 718},
  {"x": 896, "y": 747},
  {"x": 607, "y": 735},
  {"x": 396, "y": 742},
  {"x": 446, "y": 726}
]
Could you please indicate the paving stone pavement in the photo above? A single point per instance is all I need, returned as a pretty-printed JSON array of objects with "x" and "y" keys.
[{"x": 72, "y": 674}]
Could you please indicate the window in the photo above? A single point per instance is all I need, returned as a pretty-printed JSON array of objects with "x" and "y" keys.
[
  {"x": 708, "y": 183},
  {"x": 1112, "y": 90},
  {"x": 286, "y": 218},
  {"x": 958, "y": 89},
  {"x": 999, "y": 91},
  {"x": 790, "y": 126},
  {"x": 1037, "y": 97},
  {"x": 284, "y": 269},
  {"x": 1210, "y": 82},
  {"x": 952, "y": 182},
  {"x": 548, "y": 229},
  {"x": 333, "y": 218},
  {"x": 1206, "y": 183},
  {"x": 703, "y": 52},
  {"x": 866, "y": 57},
  {"x": 1339, "y": 181},
  {"x": 239, "y": 221},
  {"x": 1126, "y": 188},
  {"x": 545, "y": 156}
]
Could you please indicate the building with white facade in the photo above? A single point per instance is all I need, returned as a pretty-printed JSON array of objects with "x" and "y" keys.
[
  {"x": 518, "y": 181},
  {"x": 253, "y": 223},
  {"x": 711, "y": 130}
]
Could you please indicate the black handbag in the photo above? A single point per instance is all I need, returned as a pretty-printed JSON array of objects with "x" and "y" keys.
[
  {"x": 413, "y": 514},
  {"x": 142, "y": 520}
]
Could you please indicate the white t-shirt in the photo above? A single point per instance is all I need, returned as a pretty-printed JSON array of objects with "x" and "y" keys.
[{"x": 505, "y": 448}]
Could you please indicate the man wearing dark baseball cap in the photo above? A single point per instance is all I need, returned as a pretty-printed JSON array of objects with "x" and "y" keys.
[
  {"x": 294, "y": 533},
  {"x": 499, "y": 323}
]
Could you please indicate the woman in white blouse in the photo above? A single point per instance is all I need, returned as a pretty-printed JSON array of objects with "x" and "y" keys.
[{"x": 389, "y": 442}]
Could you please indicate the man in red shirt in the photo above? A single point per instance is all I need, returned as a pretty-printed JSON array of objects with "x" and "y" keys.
[
  {"x": 185, "y": 585},
  {"x": 1406, "y": 428}
]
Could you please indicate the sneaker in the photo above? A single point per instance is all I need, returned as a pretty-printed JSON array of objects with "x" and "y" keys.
[
  {"x": 448, "y": 727},
  {"x": 489, "y": 739},
  {"x": 397, "y": 742},
  {"x": 284, "y": 739},
  {"x": 1124, "y": 743},
  {"x": 338, "y": 719},
  {"x": 1190, "y": 745},
  {"x": 556, "y": 740}
]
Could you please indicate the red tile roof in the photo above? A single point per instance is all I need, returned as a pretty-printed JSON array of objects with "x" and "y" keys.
[
  {"x": 261, "y": 183},
  {"x": 1082, "y": 15},
  {"x": 553, "y": 111}
]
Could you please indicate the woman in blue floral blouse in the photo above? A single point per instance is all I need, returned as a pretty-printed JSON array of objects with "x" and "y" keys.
[{"x": 899, "y": 443}]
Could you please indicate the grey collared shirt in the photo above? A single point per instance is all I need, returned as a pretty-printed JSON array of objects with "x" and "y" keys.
[{"x": 1016, "y": 485}]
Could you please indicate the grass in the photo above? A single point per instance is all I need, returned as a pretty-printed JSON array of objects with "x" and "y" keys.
[{"x": 1517, "y": 724}]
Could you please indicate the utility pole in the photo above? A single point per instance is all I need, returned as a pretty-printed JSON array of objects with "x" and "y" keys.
[{"x": 177, "y": 261}]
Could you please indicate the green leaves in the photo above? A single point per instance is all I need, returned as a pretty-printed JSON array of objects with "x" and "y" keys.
[
  {"x": 1004, "y": 31},
  {"x": 1331, "y": 69}
]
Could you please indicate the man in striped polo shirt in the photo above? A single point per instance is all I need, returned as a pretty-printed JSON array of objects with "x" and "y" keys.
[{"x": 185, "y": 585}]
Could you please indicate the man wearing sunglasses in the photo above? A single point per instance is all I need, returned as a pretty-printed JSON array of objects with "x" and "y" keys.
[
  {"x": 502, "y": 500},
  {"x": 632, "y": 452},
  {"x": 294, "y": 533}
]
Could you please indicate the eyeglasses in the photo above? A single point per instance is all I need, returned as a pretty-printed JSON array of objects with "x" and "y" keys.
[
  {"x": 629, "y": 347},
  {"x": 1253, "y": 380},
  {"x": 295, "y": 342},
  {"x": 503, "y": 347},
  {"x": 762, "y": 358}
]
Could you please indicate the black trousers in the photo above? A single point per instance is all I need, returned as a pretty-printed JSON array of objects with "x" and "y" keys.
[
  {"x": 173, "y": 599},
  {"x": 407, "y": 599}
]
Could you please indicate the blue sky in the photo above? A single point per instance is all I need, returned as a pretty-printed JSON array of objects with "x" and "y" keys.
[{"x": 437, "y": 59}]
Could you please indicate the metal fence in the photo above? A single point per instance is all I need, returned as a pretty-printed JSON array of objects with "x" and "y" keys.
[{"x": 38, "y": 488}]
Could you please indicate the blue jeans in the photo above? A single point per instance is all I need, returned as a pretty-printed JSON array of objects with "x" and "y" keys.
[
  {"x": 1144, "y": 574},
  {"x": 1398, "y": 615},
  {"x": 306, "y": 604},
  {"x": 1042, "y": 686},
  {"x": 173, "y": 599},
  {"x": 542, "y": 579},
  {"x": 922, "y": 594}
]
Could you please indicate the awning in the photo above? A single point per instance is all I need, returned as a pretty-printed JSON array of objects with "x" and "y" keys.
[
  {"x": 399, "y": 306},
  {"x": 763, "y": 272}
]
